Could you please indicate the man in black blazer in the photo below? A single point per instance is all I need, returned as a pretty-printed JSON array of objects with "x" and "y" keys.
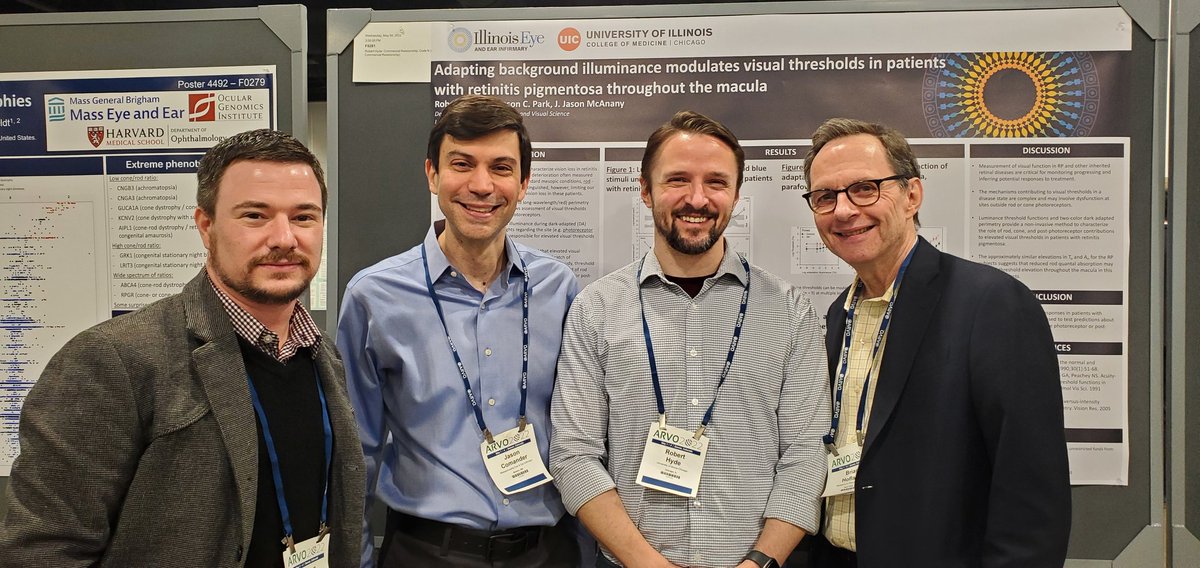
[{"x": 960, "y": 450}]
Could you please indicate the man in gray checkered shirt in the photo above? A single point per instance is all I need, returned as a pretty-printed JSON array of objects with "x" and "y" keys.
[{"x": 692, "y": 396}]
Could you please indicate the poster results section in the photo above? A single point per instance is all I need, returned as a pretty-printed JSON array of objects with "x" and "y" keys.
[
  {"x": 97, "y": 193},
  {"x": 988, "y": 99}
]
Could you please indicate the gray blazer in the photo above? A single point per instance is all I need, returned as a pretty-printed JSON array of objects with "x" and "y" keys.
[{"x": 139, "y": 447}]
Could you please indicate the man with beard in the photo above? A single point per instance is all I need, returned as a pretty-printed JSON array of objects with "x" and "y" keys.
[
  {"x": 212, "y": 427},
  {"x": 691, "y": 361}
]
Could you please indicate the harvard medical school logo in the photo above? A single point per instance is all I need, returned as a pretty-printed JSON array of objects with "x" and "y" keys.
[
  {"x": 202, "y": 107},
  {"x": 95, "y": 135}
]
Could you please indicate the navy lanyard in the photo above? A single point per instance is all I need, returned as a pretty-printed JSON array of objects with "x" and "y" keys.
[
  {"x": 839, "y": 386},
  {"x": 277, "y": 476},
  {"x": 733, "y": 343},
  {"x": 462, "y": 370}
]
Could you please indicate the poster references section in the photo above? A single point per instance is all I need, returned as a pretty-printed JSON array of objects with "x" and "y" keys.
[
  {"x": 1022, "y": 137},
  {"x": 97, "y": 192}
]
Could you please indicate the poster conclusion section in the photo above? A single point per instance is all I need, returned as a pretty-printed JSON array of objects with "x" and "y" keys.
[
  {"x": 1023, "y": 137},
  {"x": 97, "y": 194}
]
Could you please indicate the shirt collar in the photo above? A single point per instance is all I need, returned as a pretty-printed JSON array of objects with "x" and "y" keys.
[
  {"x": 886, "y": 297},
  {"x": 731, "y": 264},
  {"x": 439, "y": 264},
  {"x": 302, "y": 329}
]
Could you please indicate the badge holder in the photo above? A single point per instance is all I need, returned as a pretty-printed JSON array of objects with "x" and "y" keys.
[
  {"x": 513, "y": 460},
  {"x": 673, "y": 459}
]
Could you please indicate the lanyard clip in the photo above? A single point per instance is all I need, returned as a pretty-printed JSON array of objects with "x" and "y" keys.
[
  {"x": 699, "y": 432},
  {"x": 487, "y": 434},
  {"x": 323, "y": 532},
  {"x": 290, "y": 544},
  {"x": 521, "y": 422},
  {"x": 662, "y": 420},
  {"x": 861, "y": 436},
  {"x": 832, "y": 449}
]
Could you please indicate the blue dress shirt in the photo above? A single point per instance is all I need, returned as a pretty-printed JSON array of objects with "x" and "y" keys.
[{"x": 419, "y": 434}]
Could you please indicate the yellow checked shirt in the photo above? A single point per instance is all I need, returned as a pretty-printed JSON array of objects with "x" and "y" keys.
[{"x": 839, "y": 510}]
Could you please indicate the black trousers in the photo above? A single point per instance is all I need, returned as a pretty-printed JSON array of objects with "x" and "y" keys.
[
  {"x": 822, "y": 554},
  {"x": 556, "y": 548}
]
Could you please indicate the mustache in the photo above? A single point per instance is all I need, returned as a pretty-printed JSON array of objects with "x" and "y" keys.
[
  {"x": 278, "y": 256},
  {"x": 694, "y": 212}
]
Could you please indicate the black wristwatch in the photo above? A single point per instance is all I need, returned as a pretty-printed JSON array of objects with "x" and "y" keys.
[{"x": 761, "y": 558}]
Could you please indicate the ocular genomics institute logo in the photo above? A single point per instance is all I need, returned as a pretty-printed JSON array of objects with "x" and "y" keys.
[
  {"x": 1012, "y": 94},
  {"x": 460, "y": 39},
  {"x": 202, "y": 107}
]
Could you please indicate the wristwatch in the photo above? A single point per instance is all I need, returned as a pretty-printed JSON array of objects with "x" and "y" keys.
[{"x": 761, "y": 558}]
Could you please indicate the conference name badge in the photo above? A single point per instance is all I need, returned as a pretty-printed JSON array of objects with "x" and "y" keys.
[
  {"x": 673, "y": 460},
  {"x": 312, "y": 553},
  {"x": 514, "y": 462},
  {"x": 843, "y": 468}
]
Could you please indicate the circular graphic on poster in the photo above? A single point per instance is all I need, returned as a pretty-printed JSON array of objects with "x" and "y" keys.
[
  {"x": 460, "y": 40},
  {"x": 1011, "y": 94}
]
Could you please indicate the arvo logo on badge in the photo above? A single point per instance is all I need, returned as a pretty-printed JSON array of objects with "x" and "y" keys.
[
  {"x": 95, "y": 135},
  {"x": 202, "y": 107}
]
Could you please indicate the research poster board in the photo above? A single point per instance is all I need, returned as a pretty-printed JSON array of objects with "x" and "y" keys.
[
  {"x": 97, "y": 196},
  {"x": 1021, "y": 125}
]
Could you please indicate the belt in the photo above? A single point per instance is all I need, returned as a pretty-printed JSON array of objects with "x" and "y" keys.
[{"x": 489, "y": 545}]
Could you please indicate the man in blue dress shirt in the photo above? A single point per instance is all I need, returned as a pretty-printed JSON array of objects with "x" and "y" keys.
[{"x": 454, "y": 420}]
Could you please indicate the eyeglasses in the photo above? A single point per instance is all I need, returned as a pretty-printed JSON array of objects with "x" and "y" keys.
[{"x": 861, "y": 193}]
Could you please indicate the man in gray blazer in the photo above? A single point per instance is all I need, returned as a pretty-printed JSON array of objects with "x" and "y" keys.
[{"x": 210, "y": 428}]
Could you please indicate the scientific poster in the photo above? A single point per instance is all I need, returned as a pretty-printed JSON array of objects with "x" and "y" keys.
[
  {"x": 1019, "y": 119},
  {"x": 97, "y": 194}
]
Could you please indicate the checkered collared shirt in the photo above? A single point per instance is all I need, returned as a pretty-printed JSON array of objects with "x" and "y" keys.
[
  {"x": 302, "y": 330},
  {"x": 839, "y": 526}
]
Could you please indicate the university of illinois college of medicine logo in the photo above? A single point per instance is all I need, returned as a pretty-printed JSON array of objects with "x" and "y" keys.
[
  {"x": 202, "y": 107},
  {"x": 95, "y": 135}
]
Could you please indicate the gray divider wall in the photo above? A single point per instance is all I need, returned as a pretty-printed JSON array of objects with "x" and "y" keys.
[{"x": 377, "y": 148}]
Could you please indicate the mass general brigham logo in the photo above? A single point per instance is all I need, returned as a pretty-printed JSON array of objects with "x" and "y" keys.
[{"x": 56, "y": 109}]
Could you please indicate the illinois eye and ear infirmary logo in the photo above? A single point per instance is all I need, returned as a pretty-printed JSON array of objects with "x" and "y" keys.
[
  {"x": 95, "y": 135},
  {"x": 460, "y": 39},
  {"x": 202, "y": 107}
]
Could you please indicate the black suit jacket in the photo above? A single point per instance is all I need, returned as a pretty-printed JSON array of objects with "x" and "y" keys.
[{"x": 965, "y": 461}]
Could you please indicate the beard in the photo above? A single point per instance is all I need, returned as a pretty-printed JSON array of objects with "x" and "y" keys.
[
  {"x": 670, "y": 231},
  {"x": 245, "y": 287}
]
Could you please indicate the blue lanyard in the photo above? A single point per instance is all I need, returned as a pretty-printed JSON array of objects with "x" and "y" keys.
[
  {"x": 462, "y": 370},
  {"x": 277, "y": 476},
  {"x": 733, "y": 343},
  {"x": 839, "y": 386}
]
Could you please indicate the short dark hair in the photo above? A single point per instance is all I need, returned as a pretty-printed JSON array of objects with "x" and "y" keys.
[
  {"x": 691, "y": 121},
  {"x": 899, "y": 153},
  {"x": 475, "y": 116},
  {"x": 263, "y": 145}
]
